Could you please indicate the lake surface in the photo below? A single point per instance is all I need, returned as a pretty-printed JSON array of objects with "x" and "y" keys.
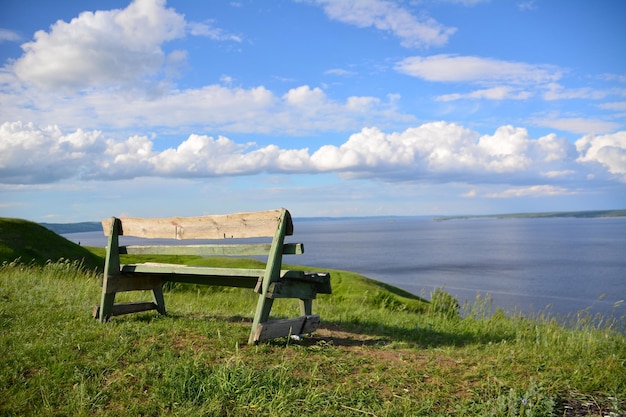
[{"x": 560, "y": 265}]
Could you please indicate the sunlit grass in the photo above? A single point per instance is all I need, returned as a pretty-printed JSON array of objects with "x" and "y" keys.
[{"x": 378, "y": 352}]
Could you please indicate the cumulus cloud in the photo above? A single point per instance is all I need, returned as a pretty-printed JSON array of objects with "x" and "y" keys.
[
  {"x": 412, "y": 30},
  {"x": 435, "y": 152},
  {"x": 100, "y": 48},
  {"x": 222, "y": 108},
  {"x": 441, "y": 148},
  {"x": 607, "y": 150},
  {"x": 29, "y": 154}
]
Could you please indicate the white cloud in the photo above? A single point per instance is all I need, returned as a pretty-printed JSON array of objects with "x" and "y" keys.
[
  {"x": 608, "y": 150},
  {"x": 29, "y": 154},
  {"x": 494, "y": 93},
  {"x": 557, "y": 174},
  {"x": 441, "y": 148},
  {"x": 456, "y": 68},
  {"x": 577, "y": 125},
  {"x": 532, "y": 191},
  {"x": 616, "y": 106},
  {"x": 558, "y": 92},
  {"x": 101, "y": 48},
  {"x": 7, "y": 35},
  {"x": 525, "y": 6},
  {"x": 384, "y": 15},
  {"x": 213, "y": 107},
  {"x": 433, "y": 152},
  {"x": 339, "y": 72},
  {"x": 207, "y": 29},
  {"x": 470, "y": 194}
]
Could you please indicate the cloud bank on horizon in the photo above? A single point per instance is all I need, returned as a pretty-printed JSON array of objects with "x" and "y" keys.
[{"x": 333, "y": 94}]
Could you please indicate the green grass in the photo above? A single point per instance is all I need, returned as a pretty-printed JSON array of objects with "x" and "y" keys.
[
  {"x": 31, "y": 242},
  {"x": 368, "y": 358},
  {"x": 378, "y": 352}
]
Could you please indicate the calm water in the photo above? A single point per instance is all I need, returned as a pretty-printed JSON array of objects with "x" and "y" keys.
[{"x": 528, "y": 265}]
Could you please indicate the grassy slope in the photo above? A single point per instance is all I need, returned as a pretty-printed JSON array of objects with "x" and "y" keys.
[
  {"x": 31, "y": 242},
  {"x": 379, "y": 352}
]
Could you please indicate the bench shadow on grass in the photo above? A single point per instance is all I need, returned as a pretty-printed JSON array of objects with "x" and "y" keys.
[
  {"x": 365, "y": 333},
  {"x": 375, "y": 334},
  {"x": 368, "y": 333}
]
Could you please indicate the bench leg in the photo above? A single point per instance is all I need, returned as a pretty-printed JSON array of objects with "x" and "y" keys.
[
  {"x": 306, "y": 307},
  {"x": 106, "y": 306},
  {"x": 263, "y": 309},
  {"x": 157, "y": 297}
]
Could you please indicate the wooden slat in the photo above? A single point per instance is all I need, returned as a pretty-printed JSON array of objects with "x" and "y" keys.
[
  {"x": 156, "y": 268},
  {"x": 239, "y": 225},
  {"x": 126, "y": 308},
  {"x": 280, "y": 328},
  {"x": 259, "y": 249},
  {"x": 159, "y": 268},
  {"x": 122, "y": 283}
]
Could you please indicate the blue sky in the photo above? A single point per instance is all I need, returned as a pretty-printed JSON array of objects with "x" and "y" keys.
[{"x": 325, "y": 107}]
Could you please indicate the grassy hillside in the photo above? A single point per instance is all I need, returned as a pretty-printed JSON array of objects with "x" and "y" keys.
[
  {"x": 379, "y": 352},
  {"x": 31, "y": 242}
]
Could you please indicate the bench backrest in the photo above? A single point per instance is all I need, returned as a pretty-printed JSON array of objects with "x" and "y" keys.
[{"x": 240, "y": 225}]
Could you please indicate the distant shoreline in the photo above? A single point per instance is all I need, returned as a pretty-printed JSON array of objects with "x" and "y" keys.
[
  {"x": 64, "y": 228},
  {"x": 589, "y": 214}
]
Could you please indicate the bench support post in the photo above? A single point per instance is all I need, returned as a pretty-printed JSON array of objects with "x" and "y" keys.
[
  {"x": 306, "y": 307},
  {"x": 272, "y": 274},
  {"x": 111, "y": 269}
]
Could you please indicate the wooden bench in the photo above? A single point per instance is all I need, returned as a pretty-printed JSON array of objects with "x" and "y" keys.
[{"x": 270, "y": 283}]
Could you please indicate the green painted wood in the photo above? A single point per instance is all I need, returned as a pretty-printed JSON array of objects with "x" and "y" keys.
[
  {"x": 176, "y": 269},
  {"x": 306, "y": 307},
  {"x": 123, "y": 283},
  {"x": 223, "y": 281},
  {"x": 111, "y": 270},
  {"x": 272, "y": 274},
  {"x": 292, "y": 289},
  {"x": 159, "y": 301},
  {"x": 157, "y": 268},
  {"x": 260, "y": 249}
]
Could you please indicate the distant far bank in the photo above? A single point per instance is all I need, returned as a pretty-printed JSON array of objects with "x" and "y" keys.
[
  {"x": 589, "y": 214},
  {"x": 64, "y": 228}
]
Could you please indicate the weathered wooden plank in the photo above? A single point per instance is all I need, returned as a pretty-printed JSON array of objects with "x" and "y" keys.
[
  {"x": 160, "y": 268},
  {"x": 286, "y": 327},
  {"x": 258, "y": 249},
  {"x": 311, "y": 324},
  {"x": 239, "y": 225},
  {"x": 223, "y": 281},
  {"x": 126, "y": 308},
  {"x": 121, "y": 283},
  {"x": 321, "y": 279},
  {"x": 157, "y": 268}
]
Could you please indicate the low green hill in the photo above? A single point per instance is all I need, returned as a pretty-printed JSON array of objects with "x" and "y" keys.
[{"x": 32, "y": 242}]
